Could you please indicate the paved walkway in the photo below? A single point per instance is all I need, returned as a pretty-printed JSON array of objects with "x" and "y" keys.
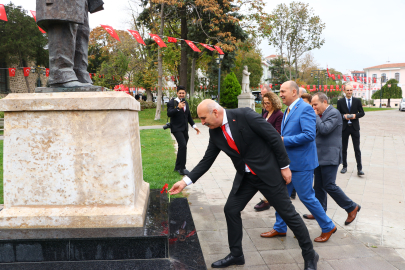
[{"x": 375, "y": 240}]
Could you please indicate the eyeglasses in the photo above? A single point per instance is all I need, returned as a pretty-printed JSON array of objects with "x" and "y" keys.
[{"x": 266, "y": 103}]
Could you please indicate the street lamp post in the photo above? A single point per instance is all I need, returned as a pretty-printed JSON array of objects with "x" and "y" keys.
[
  {"x": 219, "y": 60},
  {"x": 319, "y": 75}
]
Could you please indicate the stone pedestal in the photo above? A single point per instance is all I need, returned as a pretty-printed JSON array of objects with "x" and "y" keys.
[
  {"x": 246, "y": 100},
  {"x": 72, "y": 160}
]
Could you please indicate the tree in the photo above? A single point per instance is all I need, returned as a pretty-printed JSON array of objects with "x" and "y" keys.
[
  {"x": 295, "y": 31},
  {"x": 389, "y": 92},
  {"x": 278, "y": 75},
  {"x": 20, "y": 40},
  {"x": 231, "y": 91},
  {"x": 251, "y": 58}
]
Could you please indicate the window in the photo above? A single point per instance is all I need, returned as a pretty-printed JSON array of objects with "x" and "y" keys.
[
  {"x": 383, "y": 78},
  {"x": 397, "y": 76},
  {"x": 3, "y": 79},
  {"x": 374, "y": 77}
]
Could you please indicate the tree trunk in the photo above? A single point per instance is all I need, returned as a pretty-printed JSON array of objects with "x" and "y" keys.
[
  {"x": 160, "y": 69},
  {"x": 184, "y": 60},
  {"x": 389, "y": 103},
  {"x": 192, "y": 77},
  {"x": 149, "y": 96},
  {"x": 28, "y": 85}
]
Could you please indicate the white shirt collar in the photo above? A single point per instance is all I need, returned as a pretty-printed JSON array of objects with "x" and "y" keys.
[
  {"x": 177, "y": 99},
  {"x": 349, "y": 98},
  {"x": 224, "y": 119}
]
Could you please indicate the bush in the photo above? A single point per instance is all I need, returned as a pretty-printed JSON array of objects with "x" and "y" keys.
[
  {"x": 334, "y": 100},
  {"x": 1, "y": 114},
  {"x": 231, "y": 91},
  {"x": 193, "y": 103},
  {"x": 147, "y": 105}
]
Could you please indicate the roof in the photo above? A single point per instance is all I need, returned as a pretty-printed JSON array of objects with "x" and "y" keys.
[
  {"x": 271, "y": 56},
  {"x": 395, "y": 65},
  {"x": 357, "y": 71}
]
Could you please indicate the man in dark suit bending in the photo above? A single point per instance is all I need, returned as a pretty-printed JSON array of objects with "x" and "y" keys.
[
  {"x": 180, "y": 116},
  {"x": 351, "y": 110},
  {"x": 262, "y": 164}
]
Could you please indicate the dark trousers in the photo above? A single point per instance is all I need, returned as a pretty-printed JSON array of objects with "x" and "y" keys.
[
  {"x": 349, "y": 130},
  {"x": 278, "y": 197},
  {"x": 325, "y": 183},
  {"x": 182, "y": 139},
  {"x": 68, "y": 51}
]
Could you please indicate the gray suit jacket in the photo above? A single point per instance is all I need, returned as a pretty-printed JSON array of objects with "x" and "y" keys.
[
  {"x": 69, "y": 11},
  {"x": 329, "y": 137}
]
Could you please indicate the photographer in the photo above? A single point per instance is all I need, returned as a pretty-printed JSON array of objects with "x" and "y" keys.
[{"x": 179, "y": 113}]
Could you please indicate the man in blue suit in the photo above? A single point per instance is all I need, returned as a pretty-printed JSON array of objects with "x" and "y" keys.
[{"x": 298, "y": 131}]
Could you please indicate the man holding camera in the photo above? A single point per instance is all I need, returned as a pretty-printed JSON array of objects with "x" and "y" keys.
[
  {"x": 179, "y": 113},
  {"x": 351, "y": 110}
]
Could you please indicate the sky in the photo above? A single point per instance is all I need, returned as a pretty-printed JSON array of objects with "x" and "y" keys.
[{"x": 358, "y": 33}]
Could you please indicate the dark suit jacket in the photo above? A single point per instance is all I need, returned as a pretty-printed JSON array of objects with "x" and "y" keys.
[
  {"x": 329, "y": 137},
  {"x": 259, "y": 144},
  {"x": 356, "y": 108},
  {"x": 51, "y": 11},
  {"x": 275, "y": 119},
  {"x": 178, "y": 117}
]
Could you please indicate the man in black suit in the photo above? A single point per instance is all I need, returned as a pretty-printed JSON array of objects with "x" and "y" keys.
[
  {"x": 351, "y": 110},
  {"x": 261, "y": 162},
  {"x": 179, "y": 113}
]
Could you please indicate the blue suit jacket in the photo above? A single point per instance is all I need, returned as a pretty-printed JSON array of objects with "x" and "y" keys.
[{"x": 299, "y": 132}]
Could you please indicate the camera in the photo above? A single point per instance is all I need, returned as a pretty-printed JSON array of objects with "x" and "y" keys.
[
  {"x": 349, "y": 116},
  {"x": 183, "y": 99},
  {"x": 168, "y": 125}
]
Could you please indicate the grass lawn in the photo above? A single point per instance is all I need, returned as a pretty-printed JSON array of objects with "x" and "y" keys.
[
  {"x": 371, "y": 109},
  {"x": 158, "y": 158}
]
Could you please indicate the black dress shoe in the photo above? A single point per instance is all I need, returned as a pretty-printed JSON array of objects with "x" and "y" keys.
[
  {"x": 262, "y": 205},
  {"x": 228, "y": 261},
  {"x": 360, "y": 172},
  {"x": 293, "y": 194},
  {"x": 312, "y": 264},
  {"x": 344, "y": 170}
]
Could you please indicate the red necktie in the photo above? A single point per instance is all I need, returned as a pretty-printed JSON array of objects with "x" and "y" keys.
[{"x": 232, "y": 144}]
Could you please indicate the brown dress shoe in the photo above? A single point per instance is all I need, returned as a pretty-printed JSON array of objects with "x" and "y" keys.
[
  {"x": 272, "y": 233},
  {"x": 308, "y": 216},
  {"x": 352, "y": 215},
  {"x": 325, "y": 236},
  {"x": 262, "y": 205}
]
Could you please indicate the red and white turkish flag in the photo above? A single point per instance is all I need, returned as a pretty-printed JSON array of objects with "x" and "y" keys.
[
  {"x": 219, "y": 49},
  {"x": 111, "y": 31},
  {"x": 171, "y": 39},
  {"x": 3, "y": 15},
  {"x": 207, "y": 47},
  {"x": 355, "y": 78},
  {"x": 137, "y": 36},
  {"x": 34, "y": 14},
  {"x": 158, "y": 40},
  {"x": 338, "y": 76},
  {"x": 91, "y": 77},
  {"x": 11, "y": 72},
  {"x": 47, "y": 72},
  {"x": 27, "y": 71},
  {"x": 344, "y": 77},
  {"x": 192, "y": 46}
]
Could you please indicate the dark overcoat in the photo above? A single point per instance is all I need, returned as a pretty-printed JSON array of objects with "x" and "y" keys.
[{"x": 70, "y": 11}]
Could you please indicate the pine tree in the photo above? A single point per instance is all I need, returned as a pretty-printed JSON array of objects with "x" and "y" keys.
[{"x": 230, "y": 90}]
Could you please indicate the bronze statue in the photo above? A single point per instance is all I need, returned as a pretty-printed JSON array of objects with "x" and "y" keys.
[{"x": 67, "y": 25}]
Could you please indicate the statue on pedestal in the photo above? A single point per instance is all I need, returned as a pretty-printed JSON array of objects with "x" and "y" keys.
[
  {"x": 67, "y": 25},
  {"x": 245, "y": 80}
]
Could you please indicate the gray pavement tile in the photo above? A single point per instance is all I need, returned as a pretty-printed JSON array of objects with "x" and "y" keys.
[
  {"x": 389, "y": 254},
  {"x": 345, "y": 264},
  {"x": 376, "y": 263},
  {"x": 264, "y": 243},
  {"x": 277, "y": 257},
  {"x": 292, "y": 266}
]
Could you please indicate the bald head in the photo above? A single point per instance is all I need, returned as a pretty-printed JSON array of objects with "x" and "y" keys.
[
  {"x": 289, "y": 92},
  {"x": 210, "y": 113},
  {"x": 348, "y": 91},
  {"x": 302, "y": 91}
]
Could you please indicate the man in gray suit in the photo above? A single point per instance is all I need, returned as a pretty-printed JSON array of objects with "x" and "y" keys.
[
  {"x": 67, "y": 25},
  {"x": 329, "y": 147}
]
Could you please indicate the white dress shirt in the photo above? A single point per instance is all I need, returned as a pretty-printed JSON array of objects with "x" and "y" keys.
[
  {"x": 184, "y": 108},
  {"x": 228, "y": 130}
]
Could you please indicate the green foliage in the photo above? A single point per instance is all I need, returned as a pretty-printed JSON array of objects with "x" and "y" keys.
[
  {"x": 147, "y": 105},
  {"x": 20, "y": 39},
  {"x": 230, "y": 90},
  {"x": 253, "y": 60},
  {"x": 277, "y": 72},
  {"x": 389, "y": 92},
  {"x": 193, "y": 104}
]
